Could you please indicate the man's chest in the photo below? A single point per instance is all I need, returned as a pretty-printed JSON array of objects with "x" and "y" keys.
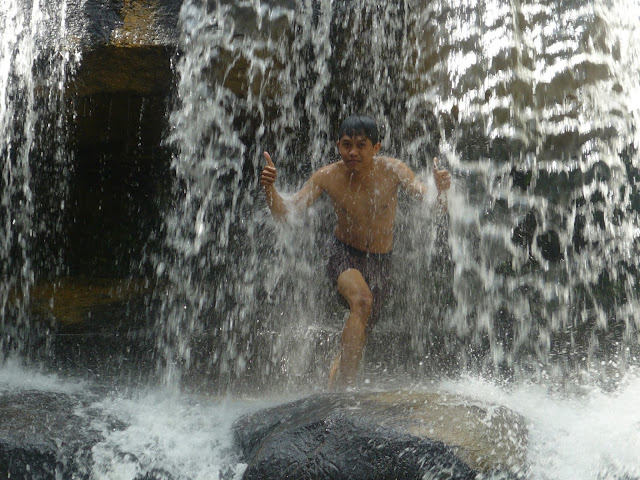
[{"x": 363, "y": 200}]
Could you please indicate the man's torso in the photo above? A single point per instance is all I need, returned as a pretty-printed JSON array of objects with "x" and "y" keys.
[{"x": 365, "y": 205}]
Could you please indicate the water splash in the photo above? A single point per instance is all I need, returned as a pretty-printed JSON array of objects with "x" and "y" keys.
[
  {"x": 580, "y": 432},
  {"x": 186, "y": 437},
  {"x": 577, "y": 432},
  {"x": 15, "y": 377}
]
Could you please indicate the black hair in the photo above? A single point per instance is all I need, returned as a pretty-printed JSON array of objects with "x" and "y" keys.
[{"x": 359, "y": 125}]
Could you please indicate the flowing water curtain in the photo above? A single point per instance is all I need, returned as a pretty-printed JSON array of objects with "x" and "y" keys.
[
  {"x": 500, "y": 88},
  {"x": 346, "y": 57},
  {"x": 367, "y": 65},
  {"x": 34, "y": 63},
  {"x": 535, "y": 110},
  {"x": 278, "y": 77},
  {"x": 197, "y": 124},
  {"x": 239, "y": 91}
]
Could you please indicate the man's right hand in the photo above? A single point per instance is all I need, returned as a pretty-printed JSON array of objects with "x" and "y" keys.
[
  {"x": 268, "y": 177},
  {"x": 442, "y": 177},
  {"x": 274, "y": 200}
]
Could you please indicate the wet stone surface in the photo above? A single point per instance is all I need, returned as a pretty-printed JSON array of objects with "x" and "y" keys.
[
  {"x": 95, "y": 328},
  {"x": 42, "y": 437},
  {"x": 51, "y": 435},
  {"x": 388, "y": 435}
]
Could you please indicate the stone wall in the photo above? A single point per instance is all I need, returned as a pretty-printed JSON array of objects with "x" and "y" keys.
[{"x": 119, "y": 97}]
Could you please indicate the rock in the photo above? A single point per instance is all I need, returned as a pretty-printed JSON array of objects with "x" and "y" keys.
[
  {"x": 41, "y": 436},
  {"x": 143, "y": 70},
  {"x": 385, "y": 435},
  {"x": 126, "y": 46},
  {"x": 150, "y": 22},
  {"x": 126, "y": 23},
  {"x": 73, "y": 301},
  {"x": 50, "y": 435},
  {"x": 99, "y": 325}
]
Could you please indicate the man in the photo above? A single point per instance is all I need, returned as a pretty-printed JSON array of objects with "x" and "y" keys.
[{"x": 363, "y": 188}]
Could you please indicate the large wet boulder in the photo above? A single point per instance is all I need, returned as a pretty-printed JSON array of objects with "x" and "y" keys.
[
  {"x": 383, "y": 435},
  {"x": 42, "y": 436}
]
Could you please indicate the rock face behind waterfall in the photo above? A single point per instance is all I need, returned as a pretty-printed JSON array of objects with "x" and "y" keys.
[
  {"x": 399, "y": 435},
  {"x": 126, "y": 46}
]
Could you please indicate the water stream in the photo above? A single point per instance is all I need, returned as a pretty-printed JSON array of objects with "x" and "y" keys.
[
  {"x": 525, "y": 294},
  {"x": 36, "y": 56}
]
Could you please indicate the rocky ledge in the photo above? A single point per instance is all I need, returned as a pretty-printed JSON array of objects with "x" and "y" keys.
[
  {"x": 42, "y": 436},
  {"x": 388, "y": 435}
]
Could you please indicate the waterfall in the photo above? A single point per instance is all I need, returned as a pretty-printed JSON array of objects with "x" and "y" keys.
[
  {"x": 35, "y": 60},
  {"x": 545, "y": 263},
  {"x": 529, "y": 106}
]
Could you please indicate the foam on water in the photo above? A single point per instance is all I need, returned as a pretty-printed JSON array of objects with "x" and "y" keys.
[
  {"x": 15, "y": 377},
  {"x": 586, "y": 436},
  {"x": 144, "y": 431},
  {"x": 186, "y": 437}
]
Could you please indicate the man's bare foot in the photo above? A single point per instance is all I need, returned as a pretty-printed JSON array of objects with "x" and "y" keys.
[{"x": 333, "y": 373}]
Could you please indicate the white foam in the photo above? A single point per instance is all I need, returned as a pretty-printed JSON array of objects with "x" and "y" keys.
[
  {"x": 595, "y": 435},
  {"x": 186, "y": 437},
  {"x": 15, "y": 377},
  {"x": 592, "y": 435}
]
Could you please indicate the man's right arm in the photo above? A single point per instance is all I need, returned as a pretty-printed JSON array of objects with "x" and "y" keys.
[{"x": 308, "y": 194}]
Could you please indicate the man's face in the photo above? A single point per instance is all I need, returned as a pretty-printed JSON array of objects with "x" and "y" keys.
[{"x": 357, "y": 151}]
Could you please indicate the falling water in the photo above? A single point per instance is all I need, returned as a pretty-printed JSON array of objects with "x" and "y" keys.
[
  {"x": 34, "y": 160},
  {"x": 530, "y": 106},
  {"x": 545, "y": 258}
]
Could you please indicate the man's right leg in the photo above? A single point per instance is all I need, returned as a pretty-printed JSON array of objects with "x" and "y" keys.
[{"x": 353, "y": 287}]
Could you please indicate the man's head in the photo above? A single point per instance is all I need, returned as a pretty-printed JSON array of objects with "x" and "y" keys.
[
  {"x": 357, "y": 125},
  {"x": 358, "y": 143}
]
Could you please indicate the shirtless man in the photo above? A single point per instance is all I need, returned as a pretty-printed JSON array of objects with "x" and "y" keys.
[{"x": 363, "y": 188}]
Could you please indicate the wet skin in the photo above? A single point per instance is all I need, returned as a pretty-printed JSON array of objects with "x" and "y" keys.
[{"x": 363, "y": 188}]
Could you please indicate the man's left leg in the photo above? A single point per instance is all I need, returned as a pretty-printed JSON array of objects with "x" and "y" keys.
[{"x": 353, "y": 287}]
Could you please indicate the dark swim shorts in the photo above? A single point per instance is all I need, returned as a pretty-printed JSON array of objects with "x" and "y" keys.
[{"x": 374, "y": 267}]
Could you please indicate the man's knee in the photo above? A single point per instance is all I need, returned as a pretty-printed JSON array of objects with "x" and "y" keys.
[
  {"x": 362, "y": 302},
  {"x": 355, "y": 290}
]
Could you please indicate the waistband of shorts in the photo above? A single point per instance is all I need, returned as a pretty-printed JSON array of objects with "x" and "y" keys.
[{"x": 358, "y": 252}]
